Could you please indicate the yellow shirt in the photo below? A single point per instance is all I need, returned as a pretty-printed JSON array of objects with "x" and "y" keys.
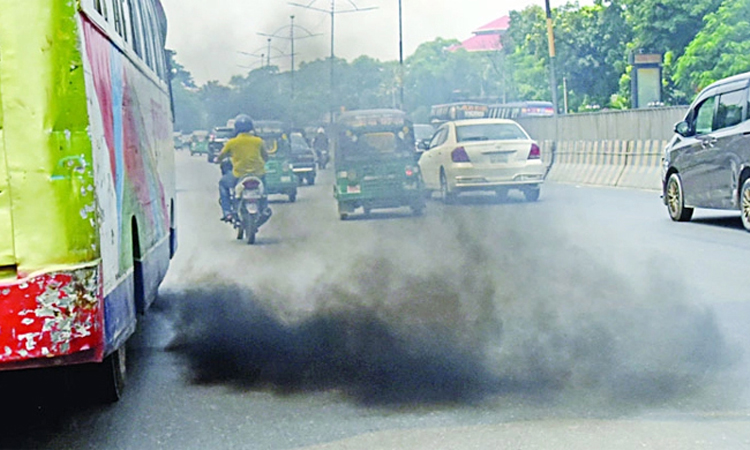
[{"x": 246, "y": 152}]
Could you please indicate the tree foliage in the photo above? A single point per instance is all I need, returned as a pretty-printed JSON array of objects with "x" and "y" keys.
[
  {"x": 720, "y": 49},
  {"x": 702, "y": 41}
]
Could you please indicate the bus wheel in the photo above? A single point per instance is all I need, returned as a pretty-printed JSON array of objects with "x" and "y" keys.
[{"x": 107, "y": 378}]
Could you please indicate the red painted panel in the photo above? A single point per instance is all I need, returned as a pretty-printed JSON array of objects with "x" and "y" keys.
[{"x": 51, "y": 315}]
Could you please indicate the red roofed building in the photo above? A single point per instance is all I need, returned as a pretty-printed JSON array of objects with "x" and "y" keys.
[{"x": 486, "y": 38}]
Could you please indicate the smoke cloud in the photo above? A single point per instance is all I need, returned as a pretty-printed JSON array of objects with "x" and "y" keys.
[{"x": 455, "y": 311}]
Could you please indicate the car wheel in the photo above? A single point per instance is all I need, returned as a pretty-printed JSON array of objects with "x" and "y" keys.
[
  {"x": 446, "y": 195},
  {"x": 676, "y": 200},
  {"x": 745, "y": 203},
  {"x": 293, "y": 197},
  {"x": 310, "y": 179},
  {"x": 343, "y": 213},
  {"x": 532, "y": 194}
]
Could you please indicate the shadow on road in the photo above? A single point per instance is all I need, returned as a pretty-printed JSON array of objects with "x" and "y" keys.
[{"x": 730, "y": 222}]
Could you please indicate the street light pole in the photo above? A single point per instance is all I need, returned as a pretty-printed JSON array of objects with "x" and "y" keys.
[
  {"x": 551, "y": 41},
  {"x": 291, "y": 38},
  {"x": 400, "y": 56}
]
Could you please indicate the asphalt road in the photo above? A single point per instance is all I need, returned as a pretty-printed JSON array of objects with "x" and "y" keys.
[{"x": 585, "y": 320}]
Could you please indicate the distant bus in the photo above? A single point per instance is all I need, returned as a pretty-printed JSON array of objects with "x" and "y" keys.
[
  {"x": 518, "y": 110},
  {"x": 457, "y": 111},
  {"x": 86, "y": 181}
]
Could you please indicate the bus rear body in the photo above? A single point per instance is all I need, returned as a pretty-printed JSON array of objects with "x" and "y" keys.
[{"x": 86, "y": 176}]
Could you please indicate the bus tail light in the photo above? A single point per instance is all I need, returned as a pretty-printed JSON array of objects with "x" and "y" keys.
[{"x": 459, "y": 155}]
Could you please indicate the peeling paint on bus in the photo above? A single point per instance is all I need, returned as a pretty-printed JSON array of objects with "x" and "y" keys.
[{"x": 52, "y": 315}]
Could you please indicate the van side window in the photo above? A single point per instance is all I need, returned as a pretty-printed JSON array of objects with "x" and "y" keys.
[
  {"x": 704, "y": 116},
  {"x": 729, "y": 112}
]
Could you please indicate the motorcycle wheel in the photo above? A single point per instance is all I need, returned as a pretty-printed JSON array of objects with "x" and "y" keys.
[{"x": 250, "y": 229}]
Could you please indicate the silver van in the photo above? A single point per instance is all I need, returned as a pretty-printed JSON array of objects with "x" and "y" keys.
[{"x": 707, "y": 163}]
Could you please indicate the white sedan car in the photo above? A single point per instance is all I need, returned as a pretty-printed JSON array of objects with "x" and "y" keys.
[{"x": 482, "y": 155}]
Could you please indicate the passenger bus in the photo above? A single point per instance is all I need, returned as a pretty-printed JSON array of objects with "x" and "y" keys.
[
  {"x": 457, "y": 111},
  {"x": 519, "y": 110},
  {"x": 86, "y": 181}
]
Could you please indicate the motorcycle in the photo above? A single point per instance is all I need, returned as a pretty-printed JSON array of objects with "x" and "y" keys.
[{"x": 250, "y": 207}]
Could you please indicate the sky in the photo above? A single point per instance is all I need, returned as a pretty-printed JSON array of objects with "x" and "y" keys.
[{"x": 214, "y": 40}]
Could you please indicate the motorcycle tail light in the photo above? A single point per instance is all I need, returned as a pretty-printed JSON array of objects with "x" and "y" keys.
[{"x": 251, "y": 184}]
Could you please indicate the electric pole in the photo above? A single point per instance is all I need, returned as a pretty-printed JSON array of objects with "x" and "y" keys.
[
  {"x": 551, "y": 41},
  {"x": 400, "y": 56},
  {"x": 332, "y": 13}
]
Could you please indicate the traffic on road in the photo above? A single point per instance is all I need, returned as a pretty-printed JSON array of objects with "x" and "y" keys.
[{"x": 458, "y": 249}]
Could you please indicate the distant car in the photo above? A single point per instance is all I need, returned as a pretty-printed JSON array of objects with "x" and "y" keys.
[
  {"x": 216, "y": 140},
  {"x": 707, "y": 163},
  {"x": 482, "y": 155},
  {"x": 422, "y": 134},
  {"x": 303, "y": 159}
]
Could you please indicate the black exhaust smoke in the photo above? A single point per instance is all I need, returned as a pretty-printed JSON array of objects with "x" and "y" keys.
[{"x": 492, "y": 311}]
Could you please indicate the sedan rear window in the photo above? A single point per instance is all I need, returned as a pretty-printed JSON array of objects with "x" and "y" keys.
[
  {"x": 223, "y": 133},
  {"x": 489, "y": 132}
]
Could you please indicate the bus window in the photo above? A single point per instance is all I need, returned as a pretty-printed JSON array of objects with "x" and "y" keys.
[
  {"x": 136, "y": 28},
  {"x": 117, "y": 17},
  {"x": 125, "y": 17},
  {"x": 101, "y": 8}
]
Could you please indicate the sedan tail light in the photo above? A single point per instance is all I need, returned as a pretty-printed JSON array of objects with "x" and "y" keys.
[
  {"x": 459, "y": 155},
  {"x": 535, "y": 153}
]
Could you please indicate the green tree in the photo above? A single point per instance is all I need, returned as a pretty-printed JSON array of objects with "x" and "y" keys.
[
  {"x": 436, "y": 74},
  {"x": 188, "y": 111},
  {"x": 720, "y": 49},
  {"x": 592, "y": 48},
  {"x": 666, "y": 25}
]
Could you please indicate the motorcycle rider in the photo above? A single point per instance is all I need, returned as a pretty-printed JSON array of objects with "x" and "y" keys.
[
  {"x": 248, "y": 156},
  {"x": 320, "y": 144}
]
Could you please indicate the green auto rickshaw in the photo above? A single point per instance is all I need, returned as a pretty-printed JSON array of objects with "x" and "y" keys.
[
  {"x": 280, "y": 178},
  {"x": 199, "y": 143},
  {"x": 375, "y": 162}
]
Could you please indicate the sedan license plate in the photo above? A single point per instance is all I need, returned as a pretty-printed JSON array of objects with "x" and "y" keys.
[
  {"x": 286, "y": 179},
  {"x": 499, "y": 158},
  {"x": 353, "y": 189}
]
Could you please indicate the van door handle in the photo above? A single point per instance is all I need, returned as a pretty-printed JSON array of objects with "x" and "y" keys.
[{"x": 709, "y": 142}]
